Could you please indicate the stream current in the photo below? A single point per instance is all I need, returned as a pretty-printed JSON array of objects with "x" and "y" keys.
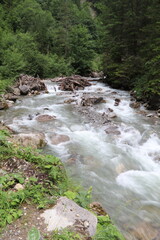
[{"x": 123, "y": 168}]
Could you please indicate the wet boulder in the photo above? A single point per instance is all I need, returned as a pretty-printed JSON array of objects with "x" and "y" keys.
[
  {"x": 109, "y": 113},
  {"x": 112, "y": 130},
  {"x": 91, "y": 101},
  {"x": 67, "y": 214},
  {"x": 24, "y": 89},
  {"x": 35, "y": 140},
  {"x": 16, "y": 91},
  {"x": 45, "y": 118},
  {"x": 57, "y": 139},
  {"x": 134, "y": 105},
  {"x": 11, "y": 97},
  {"x": 117, "y": 102},
  {"x": 3, "y": 105}
]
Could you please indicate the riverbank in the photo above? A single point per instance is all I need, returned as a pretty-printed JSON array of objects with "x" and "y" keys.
[{"x": 30, "y": 183}]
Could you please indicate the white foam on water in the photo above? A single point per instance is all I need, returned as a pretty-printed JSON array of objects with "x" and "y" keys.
[
  {"x": 92, "y": 143},
  {"x": 129, "y": 135},
  {"x": 146, "y": 184}
]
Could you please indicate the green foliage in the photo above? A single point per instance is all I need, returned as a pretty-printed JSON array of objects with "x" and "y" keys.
[
  {"x": 66, "y": 235},
  {"x": 41, "y": 193},
  {"x": 9, "y": 202},
  {"x": 34, "y": 234},
  {"x": 81, "y": 197},
  {"x": 45, "y": 38},
  {"x": 131, "y": 45},
  {"x": 81, "y": 45},
  {"x": 106, "y": 230}
]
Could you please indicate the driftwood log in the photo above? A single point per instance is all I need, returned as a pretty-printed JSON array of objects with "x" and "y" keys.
[{"x": 72, "y": 83}]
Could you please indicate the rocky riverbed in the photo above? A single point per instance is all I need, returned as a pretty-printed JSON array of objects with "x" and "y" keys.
[{"x": 106, "y": 139}]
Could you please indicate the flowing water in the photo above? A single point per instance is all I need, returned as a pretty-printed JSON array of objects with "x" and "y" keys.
[{"x": 122, "y": 168}]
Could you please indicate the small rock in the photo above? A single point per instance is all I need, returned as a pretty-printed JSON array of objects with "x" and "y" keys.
[
  {"x": 30, "y": 117},
  {"x": 57, "y": 139},
  {"x": 36, "y": 92},
  {"x": 9, "y": 103},
  {"x": 110, "y": 109},
  {"x": 112, "y": 130},
  {"x": 18, "y": 187},
  {"x": 3, "y": 105},
  {"x": 112, "y": 115},
  {"x": 91, "y": 100},
  {"x": 134, "y": 105},
  {"x": 117, "y": 101},
  {"x": 150, "y": 115},
  {"x": 45, "y": 118},
  {"x": 69, "y": 100},
  {"x": 11, "y": 97},
  {"x": 86, "y": 224}
]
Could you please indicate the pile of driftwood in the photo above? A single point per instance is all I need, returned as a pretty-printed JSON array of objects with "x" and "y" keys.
[
  {"x": 24, "y": 85},
  {"x": 28, "y": 84},
  {"x": 72, "y": 83}
]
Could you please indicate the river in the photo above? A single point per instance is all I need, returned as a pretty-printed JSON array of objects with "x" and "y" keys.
[{"x": 122, "y": 166}]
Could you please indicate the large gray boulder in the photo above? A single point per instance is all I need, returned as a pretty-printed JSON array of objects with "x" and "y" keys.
[
  {"x": 24, "y": 89},
  {"x": 67, "y": 214},
  {"x": 34, "y": 140}
]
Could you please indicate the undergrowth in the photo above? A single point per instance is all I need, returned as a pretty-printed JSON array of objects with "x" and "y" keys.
[{"x": 42, "y": 193}]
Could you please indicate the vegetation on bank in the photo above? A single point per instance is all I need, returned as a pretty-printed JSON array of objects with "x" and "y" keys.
[{"x": 46, "y": 183}]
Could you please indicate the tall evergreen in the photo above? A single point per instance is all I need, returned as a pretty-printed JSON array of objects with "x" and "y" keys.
[{"x": 131, "y": 46}]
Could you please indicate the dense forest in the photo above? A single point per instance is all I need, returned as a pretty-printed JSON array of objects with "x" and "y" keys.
[{"x": 48, "y": 38}]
